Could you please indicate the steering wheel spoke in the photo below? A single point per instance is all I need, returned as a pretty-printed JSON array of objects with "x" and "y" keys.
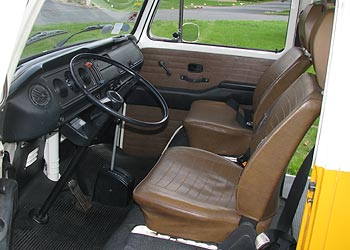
[
  {"x": 113, "y": 100},
  {"x": 127, "y": 87}
]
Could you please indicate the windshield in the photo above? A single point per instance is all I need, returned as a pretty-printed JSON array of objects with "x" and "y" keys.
[{"x": 65, "y": 22}]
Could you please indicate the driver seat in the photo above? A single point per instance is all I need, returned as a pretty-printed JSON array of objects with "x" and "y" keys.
[{"x": 198, "y": 195}]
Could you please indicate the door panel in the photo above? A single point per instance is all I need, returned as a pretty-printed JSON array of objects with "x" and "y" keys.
[
  {"x": 227, "y": 76},
  {"x": 216, "y": 68}
]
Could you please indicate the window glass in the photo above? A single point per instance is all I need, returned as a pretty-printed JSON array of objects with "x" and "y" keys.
[
  {"x": 65, "y": 22},
  {"x": 246, "y": 24},
  {"x": 166, "y": 20}
]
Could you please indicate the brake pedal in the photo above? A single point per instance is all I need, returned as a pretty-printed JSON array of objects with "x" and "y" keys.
[{"x": 84, "y": 203}]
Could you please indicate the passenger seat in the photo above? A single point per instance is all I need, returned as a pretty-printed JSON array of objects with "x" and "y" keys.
[{"x": 218, "y": 127}]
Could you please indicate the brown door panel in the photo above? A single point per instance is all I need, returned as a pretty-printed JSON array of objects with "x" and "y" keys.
[{"x": 216, "y": 68}]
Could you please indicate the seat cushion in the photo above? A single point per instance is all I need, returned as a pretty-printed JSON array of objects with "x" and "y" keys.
[
  {"x": 190, "y": 193},
  {"x": 217, "y": 121}
]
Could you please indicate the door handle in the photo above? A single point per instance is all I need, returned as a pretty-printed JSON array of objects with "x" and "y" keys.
[
  {"x": 195, "y": 68},
  {"x": 198, "y": 80}
]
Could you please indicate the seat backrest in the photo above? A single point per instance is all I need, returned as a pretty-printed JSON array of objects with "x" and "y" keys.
[
  {"x": 307, "y": 20},
  {"x": 284, "y": 71},
  {"x": 281, "y": 130}
]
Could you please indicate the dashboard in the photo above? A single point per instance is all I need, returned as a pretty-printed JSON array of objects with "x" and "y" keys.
[{"x": 43, "y": 95}]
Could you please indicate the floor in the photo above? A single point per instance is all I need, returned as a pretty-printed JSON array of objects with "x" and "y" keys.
[
  {"x": 71, "y": 228},
  {"x": 68, "y": 228}
]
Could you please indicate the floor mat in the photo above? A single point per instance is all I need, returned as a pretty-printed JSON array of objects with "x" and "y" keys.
[{"x": 68, "y": 227}]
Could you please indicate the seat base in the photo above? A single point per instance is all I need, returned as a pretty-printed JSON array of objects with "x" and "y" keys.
[{"x": 217, "y": 121}]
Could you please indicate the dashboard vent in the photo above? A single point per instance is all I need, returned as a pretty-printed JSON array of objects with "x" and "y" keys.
[{"x": 39, "y": 95}]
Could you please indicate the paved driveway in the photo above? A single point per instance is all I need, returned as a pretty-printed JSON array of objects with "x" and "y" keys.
[{"x": 57, "y": 12}]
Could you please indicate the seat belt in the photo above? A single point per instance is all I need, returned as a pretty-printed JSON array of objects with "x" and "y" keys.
[
  {"x": 232, "y": 103},
  {"x": 246, "y": 120},
  {"x": 279, "y": 238}
]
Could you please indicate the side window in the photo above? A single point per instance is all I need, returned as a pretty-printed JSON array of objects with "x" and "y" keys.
[
  {"x": 166, "y": 20},
  {"x": 253, "y": 24}
]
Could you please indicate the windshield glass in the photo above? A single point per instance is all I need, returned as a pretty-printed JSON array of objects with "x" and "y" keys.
[{"x": 65, "y": 22}]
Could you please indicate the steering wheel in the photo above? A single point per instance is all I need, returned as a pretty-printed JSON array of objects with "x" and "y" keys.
[{"x": 84, "y": 70}]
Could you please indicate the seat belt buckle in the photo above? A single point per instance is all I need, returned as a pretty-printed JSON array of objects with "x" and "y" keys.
[
  {"x": 261, "y": 241},
  {"x": 249, "y": 124},
  {"x": 242, "y": 160}
]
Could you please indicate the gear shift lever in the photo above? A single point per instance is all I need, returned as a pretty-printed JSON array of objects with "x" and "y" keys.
[{"x": 116, "y": 140}]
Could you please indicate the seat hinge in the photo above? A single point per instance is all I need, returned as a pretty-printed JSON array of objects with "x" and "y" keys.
[{"x": 307, "y": 54}]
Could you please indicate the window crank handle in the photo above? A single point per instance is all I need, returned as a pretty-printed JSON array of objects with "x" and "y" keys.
[{"x": 162, "y": 64}]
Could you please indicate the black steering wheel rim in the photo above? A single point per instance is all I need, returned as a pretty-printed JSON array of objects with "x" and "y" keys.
[{"x": 146, "y": 84}]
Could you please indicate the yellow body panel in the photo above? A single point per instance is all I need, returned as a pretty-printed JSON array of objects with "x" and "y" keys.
[{"x": 326, "y": 218}]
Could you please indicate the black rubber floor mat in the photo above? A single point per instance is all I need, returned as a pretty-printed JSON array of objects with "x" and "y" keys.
[{"x": 68, "y": 227}]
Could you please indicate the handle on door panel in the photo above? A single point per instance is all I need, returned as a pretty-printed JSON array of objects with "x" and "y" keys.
[{"x": 198, "y": 80}]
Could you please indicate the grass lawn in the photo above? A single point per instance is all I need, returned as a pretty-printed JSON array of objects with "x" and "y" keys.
[{"x": 304, "y": 147}]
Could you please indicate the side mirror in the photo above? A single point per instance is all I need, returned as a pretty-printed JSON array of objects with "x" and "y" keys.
[{"x": 190, "y": 32}]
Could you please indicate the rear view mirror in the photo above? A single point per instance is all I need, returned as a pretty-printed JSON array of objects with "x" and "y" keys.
[{"x": 190, "y": 32}]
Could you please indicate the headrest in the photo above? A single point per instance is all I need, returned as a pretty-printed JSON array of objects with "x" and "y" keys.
[
  {"x": 307, "y": 20},
  {"x": 320, "y": 41}
]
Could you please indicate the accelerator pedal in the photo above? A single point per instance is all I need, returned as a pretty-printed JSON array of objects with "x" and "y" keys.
[{"x": 74, "y": 188}]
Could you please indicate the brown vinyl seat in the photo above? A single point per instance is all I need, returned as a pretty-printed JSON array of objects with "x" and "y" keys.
[
  {"x": 198, "y": 195},
  {"x": 218, "y": 121}
]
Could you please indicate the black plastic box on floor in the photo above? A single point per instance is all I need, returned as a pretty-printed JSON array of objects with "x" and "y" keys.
[{"x": 113, "y": 187}]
